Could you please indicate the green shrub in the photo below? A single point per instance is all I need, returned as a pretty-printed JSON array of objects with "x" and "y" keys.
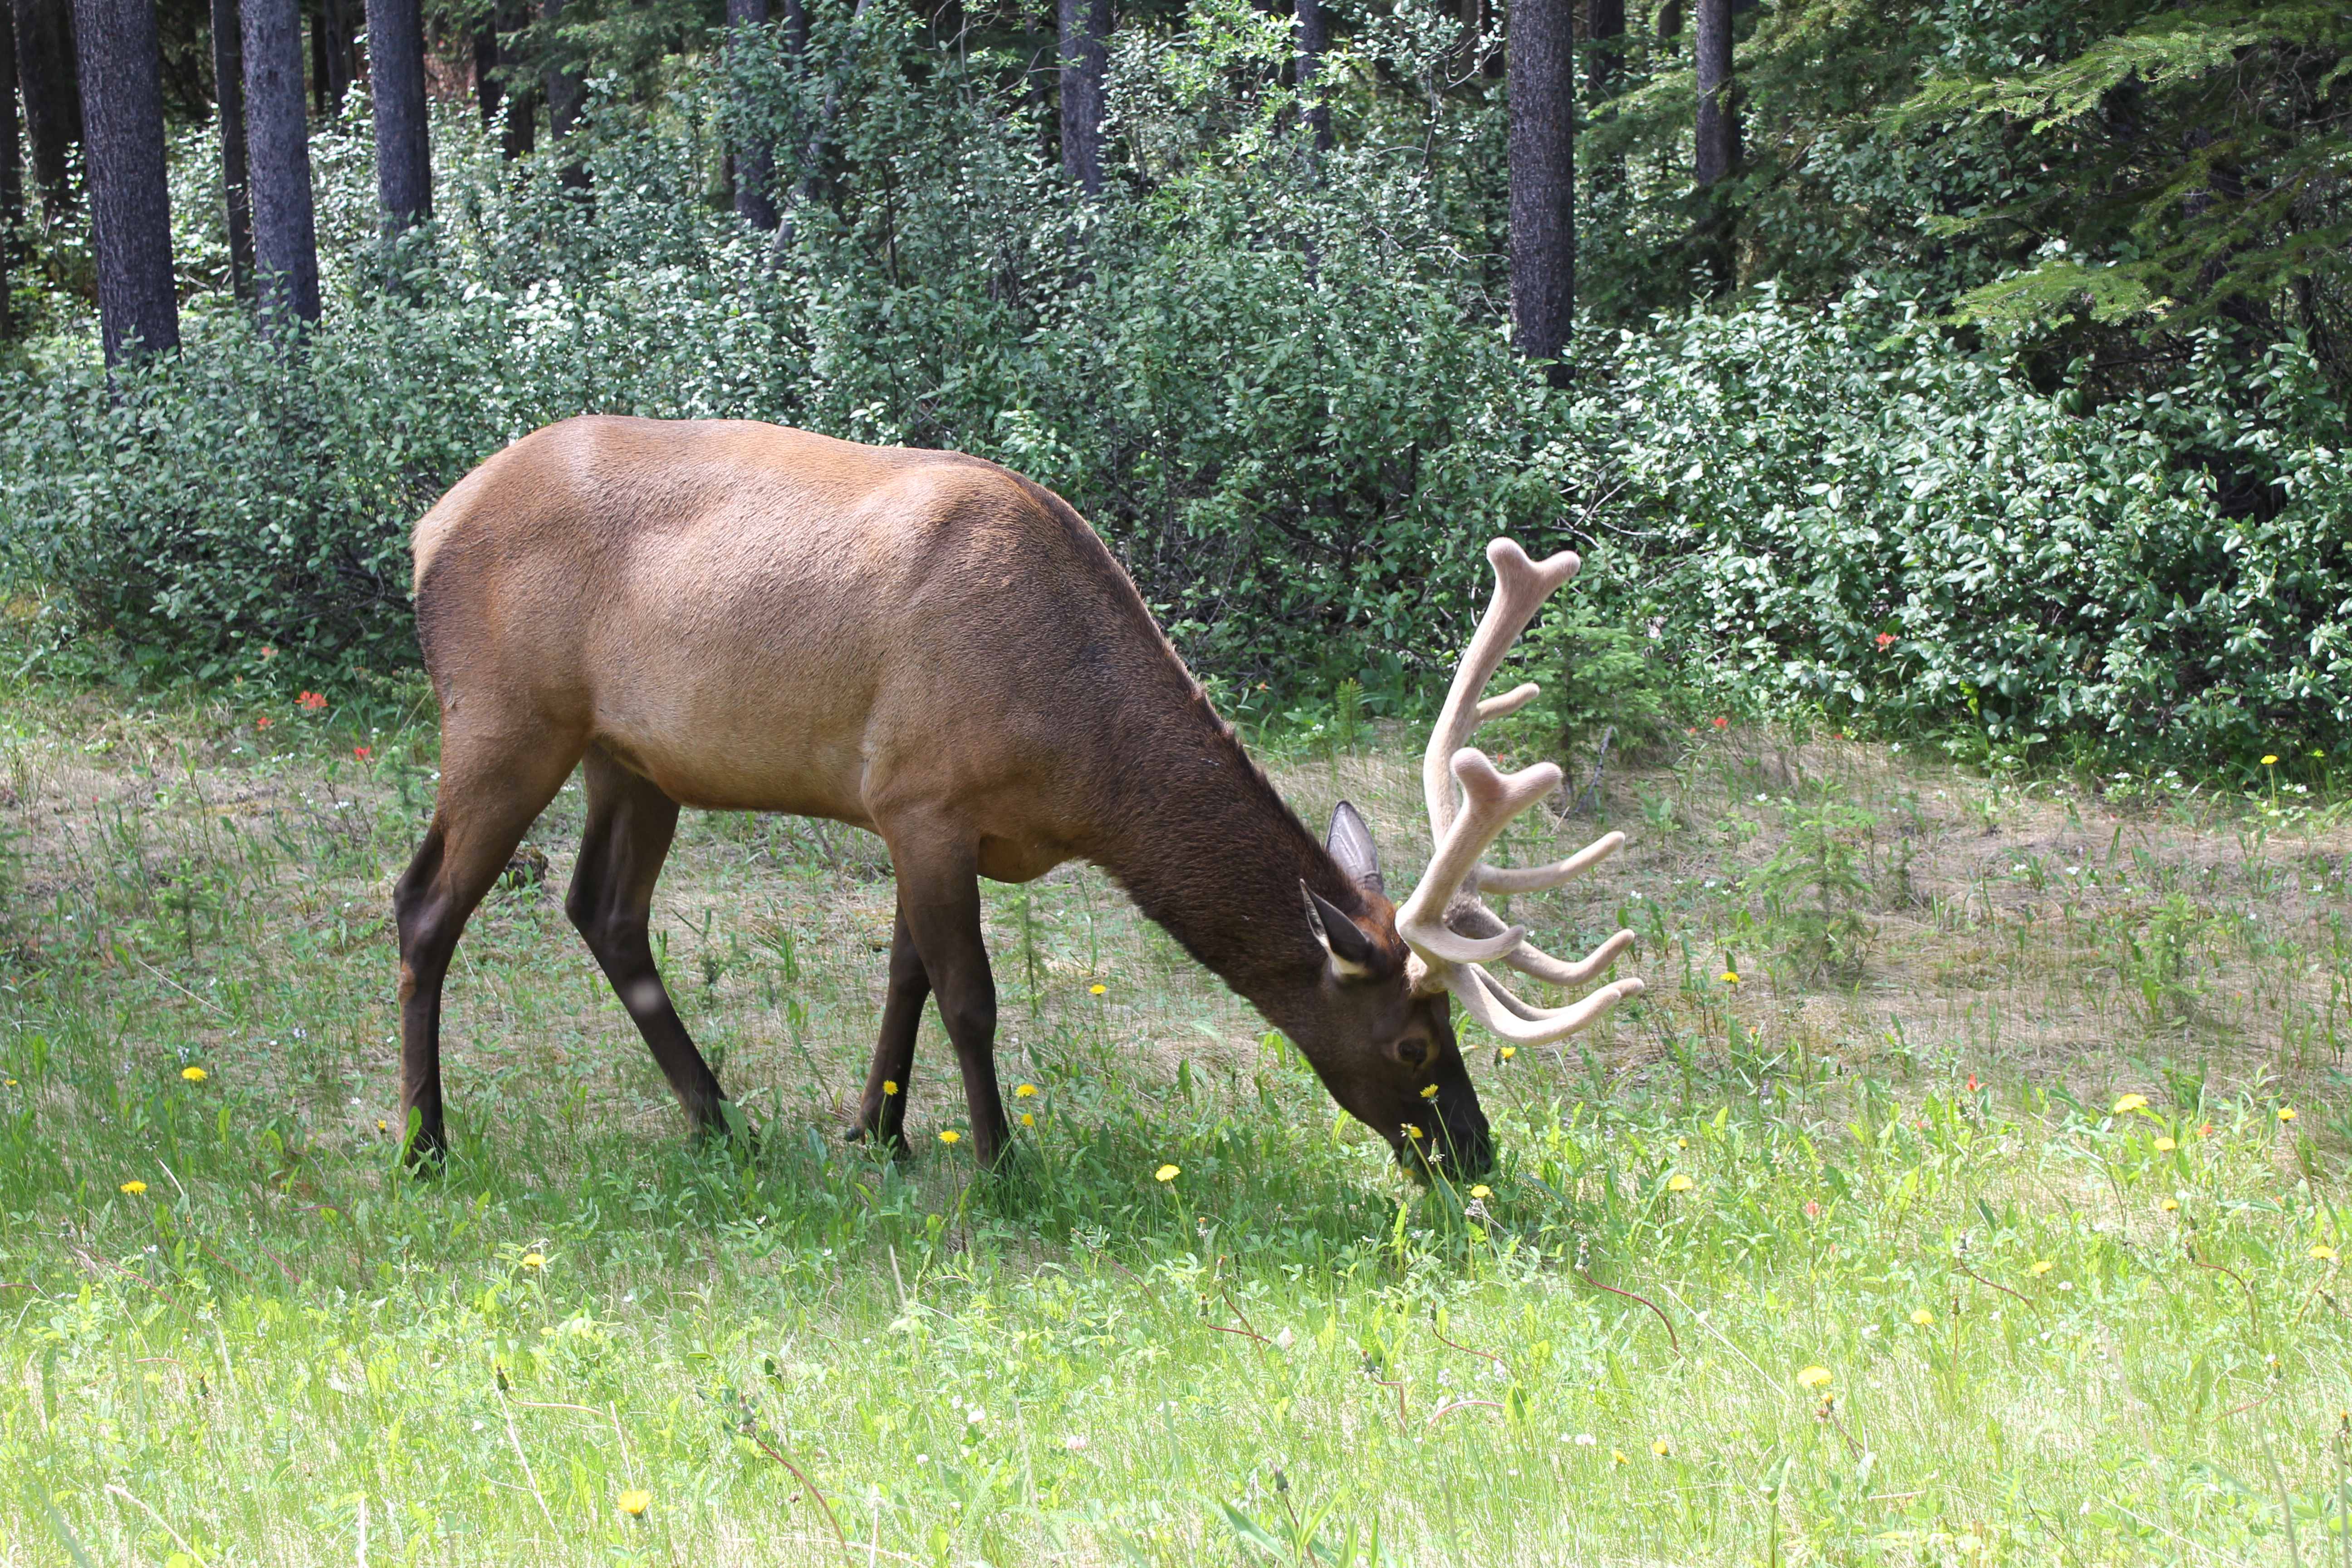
[{"x": 1852, "y": 511}]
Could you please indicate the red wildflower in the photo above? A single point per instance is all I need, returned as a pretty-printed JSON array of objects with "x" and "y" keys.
[
  {"x": 1813, "y": 1209},
  {"x": 1972, "y": 1083},
  {"x": 312, "y": 701},
  {"x": 261, "y": 723},
  {"x": 1720, "y": 722},
  {"x": 361, "y": 752},
  {"x": 1885, "y": 638}
]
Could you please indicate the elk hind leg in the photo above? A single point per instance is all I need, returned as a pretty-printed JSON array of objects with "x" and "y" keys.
[
  {"x": 630, "y": 824},
  {"x": 492, "y": 789}
]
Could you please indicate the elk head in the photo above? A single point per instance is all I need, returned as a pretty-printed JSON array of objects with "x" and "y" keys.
[{"x": 1382, "y": 1038}]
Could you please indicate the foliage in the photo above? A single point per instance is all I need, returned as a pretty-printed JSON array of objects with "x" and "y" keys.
[{"x": 1854, "y": 512}]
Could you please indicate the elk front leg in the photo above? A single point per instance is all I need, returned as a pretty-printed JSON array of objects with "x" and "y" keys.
[
  {"x": 630, "y": 824},
  {"x": 938, "y": 901},
  {"x": 882, "y": 1114}
]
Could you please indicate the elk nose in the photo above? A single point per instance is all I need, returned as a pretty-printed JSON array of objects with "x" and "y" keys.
[{"x": 1469, "y": 1143}]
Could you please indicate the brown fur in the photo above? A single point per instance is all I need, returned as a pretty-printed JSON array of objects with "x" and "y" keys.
[{"x": 733, "y": 615}]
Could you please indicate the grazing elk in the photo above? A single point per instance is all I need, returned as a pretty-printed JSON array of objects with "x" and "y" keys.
[{"x": 734, "y": 616}]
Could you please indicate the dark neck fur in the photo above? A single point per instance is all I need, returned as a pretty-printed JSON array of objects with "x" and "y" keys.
[{"x": 1199, "y": 838}]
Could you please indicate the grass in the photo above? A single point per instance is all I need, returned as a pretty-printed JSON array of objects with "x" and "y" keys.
[{"x": 1891, "y": 1149}]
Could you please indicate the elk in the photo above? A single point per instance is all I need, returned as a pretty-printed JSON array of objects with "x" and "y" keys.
[{"x": 739, "y": 616}]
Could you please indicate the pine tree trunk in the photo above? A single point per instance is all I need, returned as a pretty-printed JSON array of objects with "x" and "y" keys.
[
  {"x": 45, "y": 66},
  {"x": 12, "y": 178},
  {"x": 1085, "y": 23},
  {"x": 130, "y": 203},
  {"x": 1605, "y": 25},
  {"x": 404, "y": 148},
  {"x": 566, "y": 93},
  {"x": 755, "y": 159},
  {"x": 228, "y": 78},
  {"x": 277, "y": 154},
  {"x": 1717, "y": 138},
  {"x": 486, "y": 65},
  {"x": 1314, "y": 27},
  {"x": 522, "y": 135},
  {"x": 342, "y": 19},
  {"x": 1541, "y": 47}
]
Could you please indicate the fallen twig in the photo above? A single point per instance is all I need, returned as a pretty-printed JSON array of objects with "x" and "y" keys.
[{"x": 1672, "y": 1338}]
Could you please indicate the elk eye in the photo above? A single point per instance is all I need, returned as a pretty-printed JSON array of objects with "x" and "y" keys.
[{"x": 1412, "y": 1053}]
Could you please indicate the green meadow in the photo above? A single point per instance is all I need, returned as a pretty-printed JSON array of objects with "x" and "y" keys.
[{"x": 1967, "y": 1189}]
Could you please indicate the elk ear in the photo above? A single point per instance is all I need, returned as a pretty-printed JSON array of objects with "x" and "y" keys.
[
  {"x": 1350, "y": 844},
  {"x": 1352, "y": 954}
]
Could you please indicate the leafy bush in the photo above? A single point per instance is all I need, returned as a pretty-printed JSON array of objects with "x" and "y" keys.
[{"x": 1854, "y": 512}]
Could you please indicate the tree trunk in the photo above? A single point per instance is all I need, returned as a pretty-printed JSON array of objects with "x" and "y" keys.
[
  {"x": 1542, "y": 91},
  {"x": 755, "y": 159},
  {"x": 565, "y": 95},
  {"x": 1085, "y": 23},
  {"x": 228, "y": 78},
  {"x": 1314, "y": 41},
  {"x": 486, "y": 65},
  {"x": 12, "y": 178},
  {"x": 45, "y": 66},
  {"x": 403, "y": 149},
  {"x": 130, "y": 203},
  {"x": 318, "y": 60},
  {"x": 522, "y": 135},
  {"x": 278, "y": 151},
  {"x": 1605, "y": 27},
  {"x": 342, "y": 19},
  {"x": 1717, "y": 137}
]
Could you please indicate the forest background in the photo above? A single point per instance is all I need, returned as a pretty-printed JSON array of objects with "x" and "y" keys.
[{"x": 1965, "y": 369}]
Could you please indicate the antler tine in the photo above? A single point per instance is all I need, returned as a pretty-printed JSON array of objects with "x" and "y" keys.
[
  {"x": 1521, "y": 586},
  {"x": 1490, "y": 800},
  {"x": 1537, "y": 879},
  {"x": 1537, "y": 964},
  {"x": 1472, "y": 918},
  {"x": 1481, "y": 996}
]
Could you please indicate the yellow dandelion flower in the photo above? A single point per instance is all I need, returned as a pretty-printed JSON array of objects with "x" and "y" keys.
[
  {"x": 534, "y": 1261},
  {"x": 889, "y": 1087},
  {"x": 1430, "y": 1092},
  {"x": 1028, "y": 1120},
  {"x": 1922, "y": 1317},
  {"x": 2269, "y": 762},
  {"x": 194, "y": 1075},
  {"x": 1482, "y": 1191},
  {"x": 1661, "y": 1448},
  {"x": 381, "y": 1125},
  {"x": 2286, "y": 1113},
  {"x": 1026, "y": 1091},
  {"x": 2041, "y": 1265},
  {"x": 134, "y": 1186},
  {"x": 633, "y": 1503},
  {"x": 2321, "y": 1251},
  {"x": 1097, "y": 990},
  {"x": 2170, "y": 1205},
  {"x": 2166, "y": 1145},
  {"x": 1814, "y": 1376},
  {"x": 1678, "y": 1182},
  {"x": 1509, "y": 1052},
  {"x": 2131, "y": 1102},
  {"x": 949, "y": 1135},
  {"x": 1617, "y": 1457},
  {"x": 1411, "y": 1132},
  {"x": 1729, "y": 977},
  {"x": 1167, "y": 1172}
]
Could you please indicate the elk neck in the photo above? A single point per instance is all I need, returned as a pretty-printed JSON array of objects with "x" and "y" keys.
[{"x": 1200, "y": 839}]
